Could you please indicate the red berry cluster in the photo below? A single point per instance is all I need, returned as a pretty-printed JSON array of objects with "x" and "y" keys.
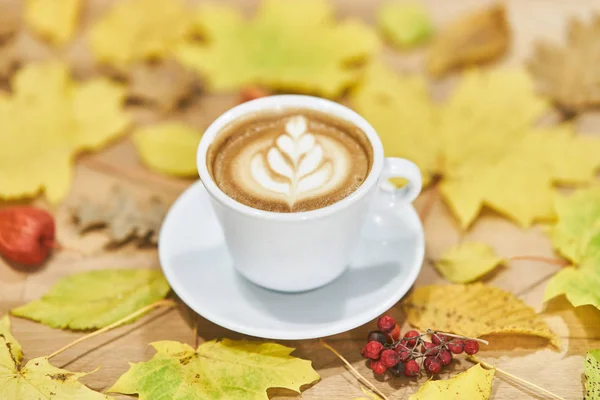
[{"x": 386, "y": 351}]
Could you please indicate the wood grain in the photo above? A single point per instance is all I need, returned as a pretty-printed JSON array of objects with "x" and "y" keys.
[{"x": 529, "y": 358}]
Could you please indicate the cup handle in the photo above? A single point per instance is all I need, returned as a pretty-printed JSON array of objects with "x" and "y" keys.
[{"x": 390, "y": 195}]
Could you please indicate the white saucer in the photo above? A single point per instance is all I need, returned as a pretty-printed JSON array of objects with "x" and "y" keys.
[{"x": 198, "y": 267}]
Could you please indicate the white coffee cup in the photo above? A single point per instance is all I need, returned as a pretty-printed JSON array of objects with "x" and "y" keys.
[{"x": 299, "y": 251}]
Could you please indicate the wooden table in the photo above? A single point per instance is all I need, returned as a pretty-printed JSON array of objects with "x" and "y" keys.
[{"x": 529, "y": 358}]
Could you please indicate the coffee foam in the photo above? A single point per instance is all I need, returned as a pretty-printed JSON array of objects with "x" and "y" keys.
[{"x": 291, "y": 161}]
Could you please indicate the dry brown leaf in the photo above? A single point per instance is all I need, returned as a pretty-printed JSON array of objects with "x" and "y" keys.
[
  {"x": 164, "y": 83},
  {"x": 125, "y": 219},
  {"x": 476, "y": 38},
  {"x": 9, "y": 58},
  {"x": 569, "y": 74},
  {"x": 11, "y": 12}
]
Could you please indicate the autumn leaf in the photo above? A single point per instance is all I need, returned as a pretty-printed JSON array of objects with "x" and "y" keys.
[
  {"x": 475, "y": 38},
  {"x": 484, "y": 151},
  {"x": 169, "y": 148},
  {"x": 592, "y": 375},
  {"x": 473, "y": 384},
  {"x": 291, "y": 45},
  {"x": 95, "y": 299},
  {"x": 566, "y": 73},
  {"x": 137, "y": 30},
  {"x": 54, "y": 20},
  {"x": 473, "y": 310},
  {"x": 405, "y": 24},
  {"x": 37, "y": 377},
  {"x": 10, "y": 18},
  {"x": 576, "y": 236},
  {"x": 46, "y": 121},
  {"x": 467, "y": 262},
  {"x": 224, "y": 369}
]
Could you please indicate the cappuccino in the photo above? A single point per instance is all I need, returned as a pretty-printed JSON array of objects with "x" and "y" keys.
[{"x": 289, "y": 161}]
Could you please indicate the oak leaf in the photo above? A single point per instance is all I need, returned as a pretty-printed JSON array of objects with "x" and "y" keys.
[
  {"x": 54, "y": 20},
  {"x": 467, "y": 262},
  {"x": 169, "y": 148},
  {"x": 95, "y": 299},
  {"x": 137, "y": 30},
  {"x": 125, "y": 219},
  {"x": 486, "y": 153},
  {"x": 473, "y": 310},
  {"x": 592, "y": 375},
  {"x": 46, "y": 121},
  {"x": 291, "y": 45},
  {"x": 224, "y": 369},
  {"x": 475, "y": 38},
  {"x": 576, "y": 236},
  {"x": 567, "y": 73},
  {"x": 36, "y": 379},
  {"x": 405, "y": 24},
  {"x": 473, "y": 384}
]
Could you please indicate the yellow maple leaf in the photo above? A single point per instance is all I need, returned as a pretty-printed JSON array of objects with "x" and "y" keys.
[
  {"x": 473, "y": 384},
  {"x": 54, "y": 20},
  {"x": 576, "y": 236},
  {"x": 290, "y": 45},
  {"x": 226, "y": 369},
  {"x": 475, "y": 38},
  {"x": 46, "y": 121},
  {"x": 486, "y": 152},
  {"x": 467, "y": 262},
  {"x": 134, "y": 30},
  {"x": 169, "y": 148},
  {"x": 473, "y": 310}
]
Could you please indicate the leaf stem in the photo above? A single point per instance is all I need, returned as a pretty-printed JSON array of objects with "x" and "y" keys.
[
  {"x": 354, "y": 371},
  {"x": 143, "y": 310},
  {"x": 429, "y": 331},
  {"x": 516, "y": 378},
  {"x": 547, "y": 260}
]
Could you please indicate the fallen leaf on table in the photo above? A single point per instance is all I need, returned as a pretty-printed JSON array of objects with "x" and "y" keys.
[
  {"x": 467, "y": 262},
  {"x": 37, "y": 377},
  {"x": 137, "y": 30},
  {"x": 485, "y": 152},
  {"x": 592, "y": 375},
  {"x": 46, "y": 121},
  {"x": 567, "y": 73},
  {"x": 576, "y": 236},
  {"x": 9, "y": 58},
  {"x": 291, "y": 45},
  {"x": 10, "y": 17},
  {"x": 473, "y": 310},
  {"x": 473, "y": 384},
  {"x": 164, "y": 83},
  {"x": 53, "y": 20},
  {"x": 169, "y": 148},
  {"x": 405, "y": 23},
  {"x": 125, "y": 219},
  {"x": 475, "y": 38},
  {"x": 95, "y": 299},
  {"x": 224, "y": 369}
]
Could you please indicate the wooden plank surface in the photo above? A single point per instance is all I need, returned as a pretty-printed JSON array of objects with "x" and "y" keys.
[{"x": 528, "y": 358}]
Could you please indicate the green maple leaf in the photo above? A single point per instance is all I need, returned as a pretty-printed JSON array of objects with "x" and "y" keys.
[
  {"x": 592, "y": 375},
  {"x": 576, "y": 236},
  {"x": 225, "y": 369},
  {"x": 96, "y": 299},
  {"x": 290, "y": 45},
  {"x": 37, "y": 379}
]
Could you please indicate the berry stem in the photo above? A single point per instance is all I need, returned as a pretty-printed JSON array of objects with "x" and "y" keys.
[
  {"x": 514, "y": 377},
  {"x": 354, "y": 371},
  {"x": 429, "y": 331},
  {"x": 547, "y": 260}
]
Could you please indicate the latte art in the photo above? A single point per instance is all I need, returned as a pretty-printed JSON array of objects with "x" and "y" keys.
[{"x": 288, "y": 162}]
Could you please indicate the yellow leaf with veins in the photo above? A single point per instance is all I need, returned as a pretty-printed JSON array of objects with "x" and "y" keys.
[
  {"x": 46, "y": 121},
  {"x": 473, "y": 384},
  {"x": 467, "y": 262},
  {"x": 291, "y": 45},
  {"x": 480, "y": 141},
  {"x": 473, "y": 310},
  {"x": 54, "y": 20}
]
